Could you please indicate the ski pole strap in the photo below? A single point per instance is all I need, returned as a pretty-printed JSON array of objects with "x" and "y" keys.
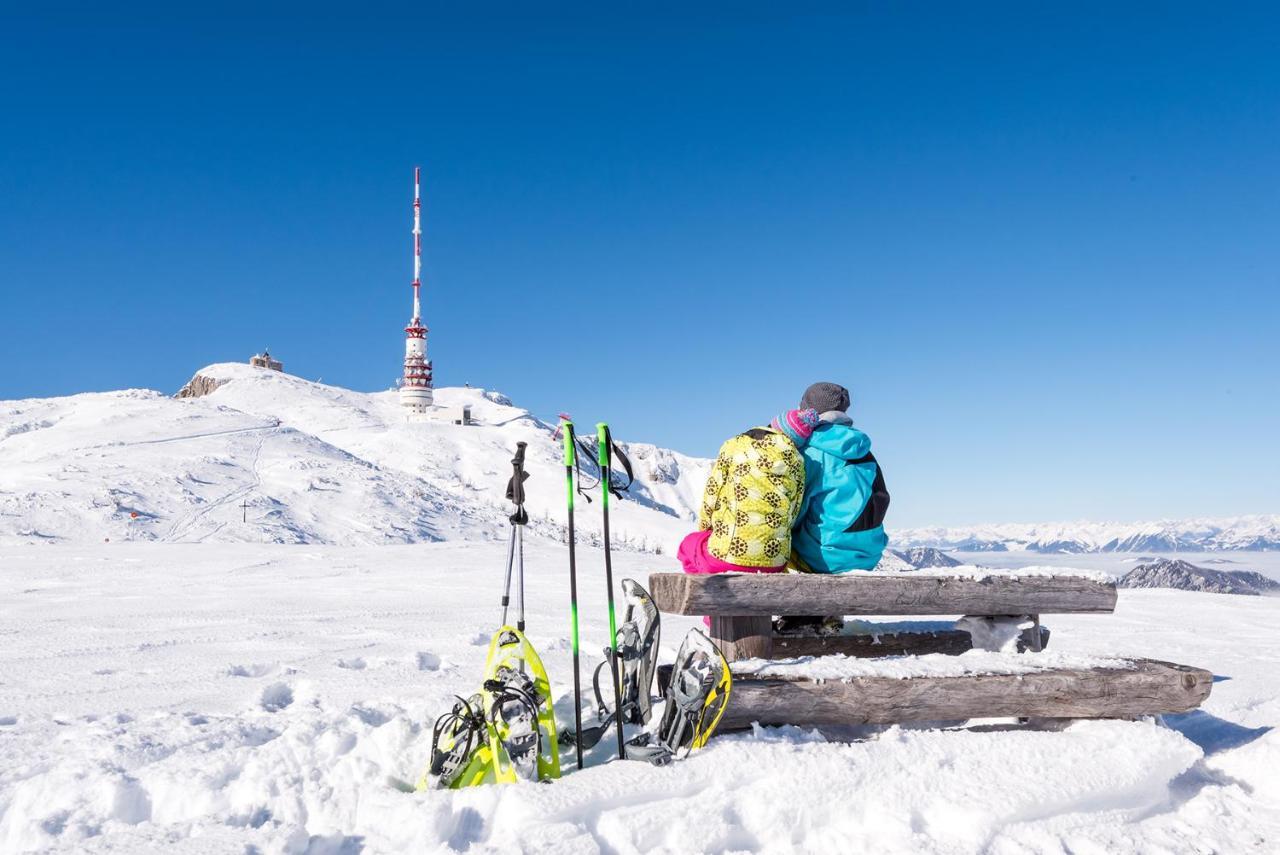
[
  {"x": 626, "y": 466},
  {"x": 607, "y": 448},
  {"x": 585, "y": 452}
]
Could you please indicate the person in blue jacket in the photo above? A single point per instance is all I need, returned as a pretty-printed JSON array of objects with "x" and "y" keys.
[
  {"x": 840, "y": 526},
  {"x": 841, "y": 522}
]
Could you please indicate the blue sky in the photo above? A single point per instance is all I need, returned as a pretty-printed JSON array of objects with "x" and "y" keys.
[{"x": 1040, "y": 245}]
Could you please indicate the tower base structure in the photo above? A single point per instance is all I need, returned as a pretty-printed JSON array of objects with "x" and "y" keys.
[{"x": 416, "y": 400}]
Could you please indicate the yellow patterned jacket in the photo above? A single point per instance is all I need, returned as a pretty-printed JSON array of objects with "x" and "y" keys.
[{"x": 752, "y": 498}]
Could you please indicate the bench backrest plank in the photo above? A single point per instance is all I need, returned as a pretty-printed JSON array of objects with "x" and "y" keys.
[{"x": 879, "y": 594}]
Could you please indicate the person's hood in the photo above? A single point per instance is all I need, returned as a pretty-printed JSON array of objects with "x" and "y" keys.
[{"x": 843, "y": 441}]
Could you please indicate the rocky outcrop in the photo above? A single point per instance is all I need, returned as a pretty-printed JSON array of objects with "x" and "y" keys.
[
  {"x": 1185, "y": 576},
  {"x": 199, "y": 386}
]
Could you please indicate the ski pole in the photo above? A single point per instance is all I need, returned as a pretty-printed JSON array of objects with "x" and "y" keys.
[
  {"x": 515, "y": 551},
  {"x": 569, "y": 442},
  {"x": 604, "y": 445}
]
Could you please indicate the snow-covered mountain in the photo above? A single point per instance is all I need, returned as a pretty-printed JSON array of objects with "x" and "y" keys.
[
  {"x": 262, "y": 456},
  {"x": 1257, "y": 532},
  {"x": 1185, "y": 576},
  {"x": 921, "y": 557}
]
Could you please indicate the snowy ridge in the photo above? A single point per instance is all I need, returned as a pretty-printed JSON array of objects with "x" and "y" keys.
[
  {"x": 267, "y": 457},
  {"x": 1256, "y": 532}
]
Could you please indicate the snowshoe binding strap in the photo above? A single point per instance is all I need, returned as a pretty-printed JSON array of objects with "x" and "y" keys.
[
  {"x": 455, "y": 737},
  {"x": 513, "y": 713}
]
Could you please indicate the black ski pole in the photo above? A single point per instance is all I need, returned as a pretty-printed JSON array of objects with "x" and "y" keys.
[
  {"x": 605, "y": 458},
  {"x": 515, "y": 550},
  {"x": 569, "y": 445}
]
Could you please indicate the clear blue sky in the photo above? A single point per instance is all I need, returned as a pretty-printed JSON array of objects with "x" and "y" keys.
[{"x": 1040, "y": 245}]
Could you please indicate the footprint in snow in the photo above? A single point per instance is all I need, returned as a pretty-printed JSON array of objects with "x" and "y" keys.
[
  {"x": 370, "y": 716},
  {"x": 276, "y": 697},
  {"x": 8, "y": 720},
  {"x": 428, "y": 661},
  {"x": 354, "y": 664},
  {"x": 480, "y": 639},
  {"x": 253, "y": 670}
]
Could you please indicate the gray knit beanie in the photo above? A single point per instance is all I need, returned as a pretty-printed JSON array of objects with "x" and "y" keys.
[{"x": 825, "y": 398}]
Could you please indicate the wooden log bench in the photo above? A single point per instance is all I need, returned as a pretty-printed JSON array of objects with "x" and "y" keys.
[{"x": 741, "y": 608}]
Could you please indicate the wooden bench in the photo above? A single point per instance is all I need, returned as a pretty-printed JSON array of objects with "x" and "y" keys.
[{"x": 741, "y": 608}]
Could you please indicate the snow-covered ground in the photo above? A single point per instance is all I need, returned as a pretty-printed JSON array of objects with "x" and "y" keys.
[
  {"x": 268, "y": 457},
  {"x": 224, "y": 697}
]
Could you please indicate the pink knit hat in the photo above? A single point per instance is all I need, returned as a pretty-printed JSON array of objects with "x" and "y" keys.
[{"x": 797, "y": 424}]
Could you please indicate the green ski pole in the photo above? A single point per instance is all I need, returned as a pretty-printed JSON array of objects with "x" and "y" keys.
[
  {"x": 569, "y": 443},
  {"x": 604, "y": 456}
]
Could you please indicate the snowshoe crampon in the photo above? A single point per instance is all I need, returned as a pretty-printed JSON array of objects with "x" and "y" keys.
[
  {"x": 696, "y": 700},
  {"x": 521, "y": 721}
]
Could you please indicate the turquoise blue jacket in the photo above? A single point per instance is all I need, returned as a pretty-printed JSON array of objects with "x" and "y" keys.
[{"x": 841, "y": 521}]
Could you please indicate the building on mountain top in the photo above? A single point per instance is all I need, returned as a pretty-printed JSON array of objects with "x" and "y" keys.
[{"x": 265, "y": 360}]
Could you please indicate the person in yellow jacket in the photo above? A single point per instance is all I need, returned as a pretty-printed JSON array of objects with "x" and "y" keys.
[{"x": 751, "y": 500}]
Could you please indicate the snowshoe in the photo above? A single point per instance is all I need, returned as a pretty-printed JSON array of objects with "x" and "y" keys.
[
  {"x": 638, "y": 654},
  {"x": 696, "y": 699},
  {"x": 521, "y": 720},
  {"x": 460, "y": 753}
]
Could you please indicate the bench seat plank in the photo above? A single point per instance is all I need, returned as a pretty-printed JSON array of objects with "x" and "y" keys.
[{"x": 750, "y": 594}]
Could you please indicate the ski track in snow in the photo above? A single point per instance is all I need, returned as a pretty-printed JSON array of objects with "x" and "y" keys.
[{"x": 260, "y": 698}]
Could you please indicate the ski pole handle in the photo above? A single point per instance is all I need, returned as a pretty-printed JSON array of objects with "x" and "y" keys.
[
  {"x": 517, "y": 474},
  {"x": 602, "y": 458}
]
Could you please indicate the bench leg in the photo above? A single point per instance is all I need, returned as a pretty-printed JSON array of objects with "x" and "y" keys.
[
  {"x": 743, "y": 637},
  {"x": 1032, "y": 639}
]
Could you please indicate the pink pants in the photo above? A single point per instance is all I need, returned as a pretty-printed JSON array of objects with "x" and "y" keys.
[{"x": 697, "y": 559}]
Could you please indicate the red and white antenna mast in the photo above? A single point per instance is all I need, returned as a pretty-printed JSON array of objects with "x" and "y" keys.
[{"x": 415, "y": 389}]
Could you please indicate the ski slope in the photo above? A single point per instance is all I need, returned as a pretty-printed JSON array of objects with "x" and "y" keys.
[
  {"x": 271, "y": 458},
  {"x": 235, "y": 697}
]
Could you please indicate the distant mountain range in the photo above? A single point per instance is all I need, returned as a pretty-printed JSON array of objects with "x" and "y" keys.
[
  {"x": 1185, "y": 576},
  {"x": 1257, "y": 532}
]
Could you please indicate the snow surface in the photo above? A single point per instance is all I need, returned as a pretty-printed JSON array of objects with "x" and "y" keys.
[
  {"x": 224, "y": 697},
  {"x": 227, "y": 624}
]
